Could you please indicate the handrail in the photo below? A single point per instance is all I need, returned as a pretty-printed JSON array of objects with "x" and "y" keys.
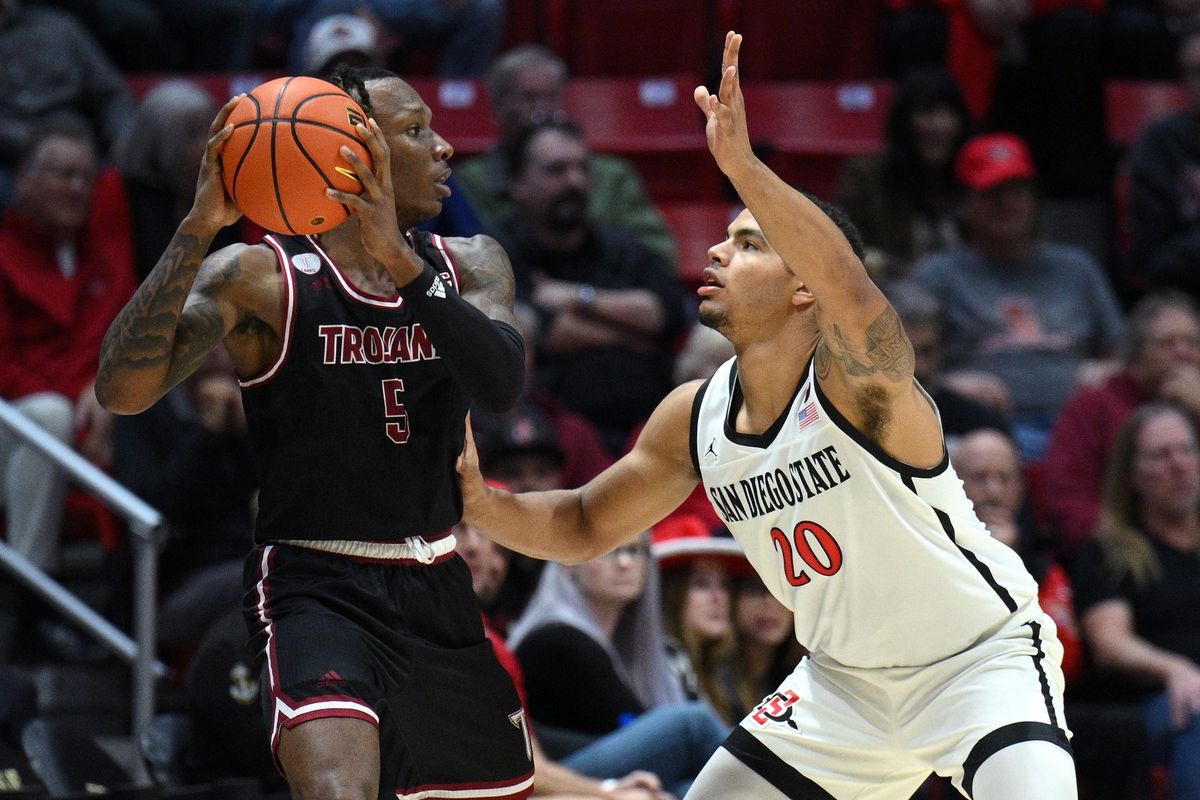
[{"x": 145, "y": 523}]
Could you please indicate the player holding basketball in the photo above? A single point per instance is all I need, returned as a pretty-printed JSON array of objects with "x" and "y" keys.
[
  {"x": 359, "y": 353},
  {"x": 825, "y": 458}
]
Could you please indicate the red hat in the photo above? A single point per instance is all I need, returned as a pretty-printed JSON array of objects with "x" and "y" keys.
[
  {"x": 683, "y": 538},
  {"x": 991, "y": 159}
]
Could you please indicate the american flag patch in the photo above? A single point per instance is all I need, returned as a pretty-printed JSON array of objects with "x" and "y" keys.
[{"x": 807, "y": 415}]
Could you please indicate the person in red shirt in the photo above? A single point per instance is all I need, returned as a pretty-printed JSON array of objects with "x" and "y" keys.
[{"x": 66, "y": 269}]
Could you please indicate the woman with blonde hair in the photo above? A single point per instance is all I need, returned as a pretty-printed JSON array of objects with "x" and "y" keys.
[{"x": 1137, "y": 583}]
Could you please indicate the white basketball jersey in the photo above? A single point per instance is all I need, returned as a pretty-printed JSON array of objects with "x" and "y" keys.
[{"x": 884, "y": 564}]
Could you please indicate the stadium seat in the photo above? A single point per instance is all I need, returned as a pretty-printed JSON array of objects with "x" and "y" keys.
[
  {"x": 460, "y": 113},
  {"x": 1131, "y": 105},
  {"x": 696, "y": 227},
  {"x": 835, "y": 40},
  {"x": 630, "y": 37},
  {"x": 806, "y": 129},
  {"x": 655, "y": 123}
]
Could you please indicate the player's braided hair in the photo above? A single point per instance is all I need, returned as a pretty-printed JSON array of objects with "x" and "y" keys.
[{"x": 353, "y": 81}]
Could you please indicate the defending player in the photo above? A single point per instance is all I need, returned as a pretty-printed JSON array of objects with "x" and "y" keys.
[{"x": 825, "y": 458}]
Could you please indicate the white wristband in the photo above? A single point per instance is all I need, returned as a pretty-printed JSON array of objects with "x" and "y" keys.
[{"x": 608, "y": 784}]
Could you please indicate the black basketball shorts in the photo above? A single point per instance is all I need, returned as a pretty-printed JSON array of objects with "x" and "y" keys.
[{"x": 398, "y": 644}]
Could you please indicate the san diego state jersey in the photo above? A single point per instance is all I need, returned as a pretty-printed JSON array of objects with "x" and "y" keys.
[
  {"x": 357, "y": 424},
  {"x": 884, "y": 564}
]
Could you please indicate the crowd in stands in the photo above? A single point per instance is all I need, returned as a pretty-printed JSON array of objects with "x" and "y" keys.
[{"x": 1067, "y": 378}]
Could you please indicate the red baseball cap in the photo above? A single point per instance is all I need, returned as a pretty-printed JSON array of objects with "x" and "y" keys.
[
  {"x": 988, "y": 160},
  {"x": 680, "y": 539}
]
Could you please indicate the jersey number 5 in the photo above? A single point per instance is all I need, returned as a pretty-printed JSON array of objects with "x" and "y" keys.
[
  {"x": 804, "y": 536},
  {"x": 393, "y": 409}
]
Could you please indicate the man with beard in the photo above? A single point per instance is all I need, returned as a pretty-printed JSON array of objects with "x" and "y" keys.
[{"x": 608, "y": 306}]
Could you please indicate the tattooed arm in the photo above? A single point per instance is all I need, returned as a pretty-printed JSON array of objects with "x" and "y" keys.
[
  {"x": 863, "y": 358},
  {"x": 187, "y": 304}
]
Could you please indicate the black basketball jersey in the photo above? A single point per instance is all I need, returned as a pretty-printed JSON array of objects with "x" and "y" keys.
[{"x": 357, "y": 424}]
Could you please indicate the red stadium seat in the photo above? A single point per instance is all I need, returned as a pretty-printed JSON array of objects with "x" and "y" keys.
[
  {"x": 834, "y": 40},
  {"x": 806, "y": 129},
  {"x": 630, "y": 37},
  {"x": 1130, "y": 105},
  {"x": 696, "y": 227},
  {"x": 655, "y": 123},
  {"x": 460, "y": 113}
]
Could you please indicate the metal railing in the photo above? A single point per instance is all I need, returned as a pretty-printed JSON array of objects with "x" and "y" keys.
[{"x": 146, "y": 525}]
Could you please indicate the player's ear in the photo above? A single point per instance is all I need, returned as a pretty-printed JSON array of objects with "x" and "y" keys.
[{"x": 802, "y": 297}]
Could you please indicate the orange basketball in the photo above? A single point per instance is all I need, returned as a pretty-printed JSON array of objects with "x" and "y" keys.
[{"x": 283, "y": 154}]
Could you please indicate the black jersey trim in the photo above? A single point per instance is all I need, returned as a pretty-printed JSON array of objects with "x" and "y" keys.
[
  {"x": 288, "y": 304},
  {"x": 980, "y": 567},
  {"x": 352, "y": 291},
  {"x": 759, "y": 759},
  {"x": 1002, "y": 737},
  {"x": 694, "y": 426},
  {"x": 1038, "y": 656},
  {"x": 875, "y": 451},
  {"x": 760, "y": 440}
]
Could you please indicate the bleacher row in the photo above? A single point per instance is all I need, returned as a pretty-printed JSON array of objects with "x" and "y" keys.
[{"x": 804, "y": 130}]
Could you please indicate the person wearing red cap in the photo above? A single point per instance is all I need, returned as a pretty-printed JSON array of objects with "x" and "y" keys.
[
  {"x": 1039, "y": 316},
  {"x": 825, "y": 458},
  {"x": 697, "y": 566}
]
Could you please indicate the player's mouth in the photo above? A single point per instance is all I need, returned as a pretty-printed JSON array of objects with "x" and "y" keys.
[
  {"x": 441, "y": 184},
  {"x": 711, "y": 284}
]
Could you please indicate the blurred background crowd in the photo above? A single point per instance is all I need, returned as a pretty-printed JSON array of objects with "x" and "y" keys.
[{"x": 1025, "y": 175}]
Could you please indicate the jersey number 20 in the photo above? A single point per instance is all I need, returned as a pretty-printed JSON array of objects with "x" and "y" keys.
[
  {"x": 394, "y": 410},
  {"x": 806, "y": 539}
]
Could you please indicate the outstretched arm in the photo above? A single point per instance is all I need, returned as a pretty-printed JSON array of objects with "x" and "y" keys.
[
  {"x": 572, "y": 526},
  {"x": 167, "y": 328},
  {"x": 863, "y": 358}
]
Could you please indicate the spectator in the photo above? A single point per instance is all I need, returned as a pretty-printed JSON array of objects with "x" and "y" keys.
[
  {"x": 526, "y": 85},
  {"x": 661, "y": 738},
  {"x": 1165, "y": 188},
  {"x": 904, "y": 201},
  {"x": 52, "y": 66},
  {"x": 466, "y": 31},
  {"x": 1160, "y": 356},
  {"x": 198, "y": 428},
  {"x": 607, "y": 305},
  {"x": 967, "y": 401},
  {"x": 1036, "y": 315},
  {"x": 697, "y": 566},
  {"x": 66, "y": 269},
  {"x": 1137, "y": 583},
  {"x": 598, "y": 625},
  {"x": 159, "y": 159},
  {"x": 532, "y": 450},
  {"x": 702, "y": 352},
  {"x": 1032, "y": 66},
  {"x": 767, "y": 650},
  {"x": 170, "y": 35}
]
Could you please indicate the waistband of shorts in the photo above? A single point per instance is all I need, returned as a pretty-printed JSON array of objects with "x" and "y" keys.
[{"x": 413, "y": 550}]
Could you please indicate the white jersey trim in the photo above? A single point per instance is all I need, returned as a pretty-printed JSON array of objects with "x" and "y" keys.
[{"x": 289, "y": 316}]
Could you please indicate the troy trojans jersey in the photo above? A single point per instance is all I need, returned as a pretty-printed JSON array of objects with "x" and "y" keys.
[
  {"x": 883, "y": 564},
  {"x": 357, "y": 424}
]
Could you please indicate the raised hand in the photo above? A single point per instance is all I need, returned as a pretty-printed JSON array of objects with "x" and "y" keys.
[
  {"x": 728, "y": 139},
  {"x": 376, "y": 204},
  {"x": 213, "y": 205}
]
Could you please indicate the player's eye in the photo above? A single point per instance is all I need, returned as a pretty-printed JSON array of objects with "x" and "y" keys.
[
  {"x": 748, "y": 245},
  {"x": 414, "y": 130}
]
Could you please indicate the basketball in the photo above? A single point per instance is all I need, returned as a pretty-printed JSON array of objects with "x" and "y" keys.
[{"x": 283, "y": 154}]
